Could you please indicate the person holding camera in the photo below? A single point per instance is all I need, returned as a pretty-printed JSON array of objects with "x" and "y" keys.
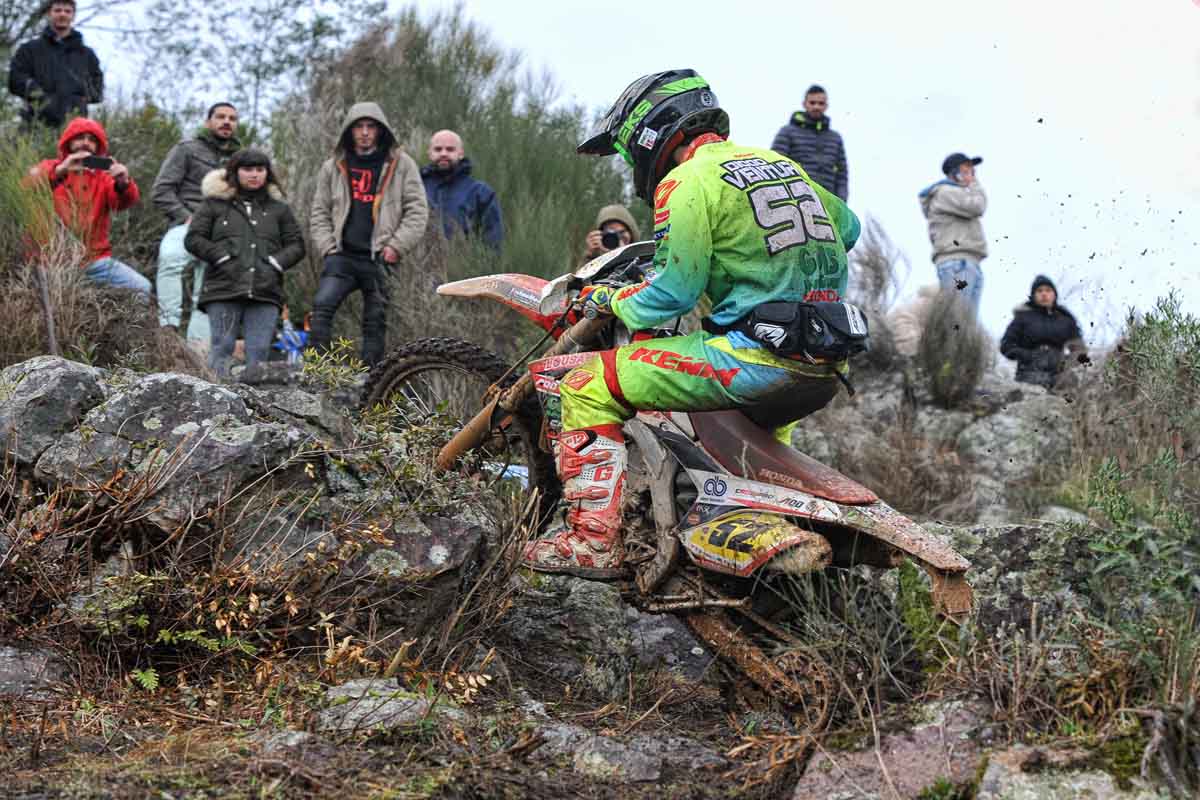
[
  {"x": 368, "y": 209},
  {"x": 247, "y": 236},
  {"x": 88, "y": 186},
  {"x": 1039, "y": 331},
  {"x": 615, "y": 227}
]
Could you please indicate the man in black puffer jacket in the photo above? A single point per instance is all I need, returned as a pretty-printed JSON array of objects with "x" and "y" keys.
[
  {"x": 808, "y": 139},
  {"x": 56, "y": 74},
  {"x": 1040, "y": 329}
]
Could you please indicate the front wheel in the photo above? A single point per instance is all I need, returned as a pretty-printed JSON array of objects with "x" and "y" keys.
[{"x": 449, "y": 378}]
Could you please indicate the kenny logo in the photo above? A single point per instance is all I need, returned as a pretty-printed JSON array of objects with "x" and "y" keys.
[{"x": 677, "y": 363}]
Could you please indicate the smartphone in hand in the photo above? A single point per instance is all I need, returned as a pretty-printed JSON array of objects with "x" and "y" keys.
[{"x": 101, "y": 163}]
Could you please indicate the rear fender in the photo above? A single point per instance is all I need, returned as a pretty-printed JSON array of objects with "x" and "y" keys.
[
  {"x": 522, "y": 293},
  {"x": 873, "y": 534}
]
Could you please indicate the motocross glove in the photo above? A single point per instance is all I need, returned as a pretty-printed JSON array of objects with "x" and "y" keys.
[{"x": 596, "y": 300}]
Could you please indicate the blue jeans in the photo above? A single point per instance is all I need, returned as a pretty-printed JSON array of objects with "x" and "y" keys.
[
  {"x": 958, "y": 271},
  {"x": 173, "y": 259},
  {"x": 110, "y": 272},
  {"x": 255, "y": 320}
]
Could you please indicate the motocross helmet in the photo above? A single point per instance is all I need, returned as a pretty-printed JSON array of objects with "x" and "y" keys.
[{"x": 653, "y": 116}]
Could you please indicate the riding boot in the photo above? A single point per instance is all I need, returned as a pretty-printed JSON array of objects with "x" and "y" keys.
[{"x": 591, "y": 466}]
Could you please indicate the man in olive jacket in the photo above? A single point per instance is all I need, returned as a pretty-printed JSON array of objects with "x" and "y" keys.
[
  {"x": 369, "y": 208},
  {"x": 177, "y": 194}
]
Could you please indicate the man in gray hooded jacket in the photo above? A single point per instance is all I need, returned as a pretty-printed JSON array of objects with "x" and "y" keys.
[
  {"x": 369, "y": 208},
  {"x": 954, "y": 207}
]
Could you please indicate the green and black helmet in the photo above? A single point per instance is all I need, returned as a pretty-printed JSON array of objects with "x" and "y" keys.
[{"x": 653, "y": 116}]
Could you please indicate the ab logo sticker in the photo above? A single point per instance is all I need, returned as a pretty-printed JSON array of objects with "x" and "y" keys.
[{"x": 715, "y": 487}]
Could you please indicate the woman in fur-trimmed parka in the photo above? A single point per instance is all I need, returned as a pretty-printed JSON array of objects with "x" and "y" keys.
[{"x": 247, "y": 236}]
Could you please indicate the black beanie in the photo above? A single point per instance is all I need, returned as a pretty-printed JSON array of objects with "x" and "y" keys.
[{"x": 1042, "y": 280}]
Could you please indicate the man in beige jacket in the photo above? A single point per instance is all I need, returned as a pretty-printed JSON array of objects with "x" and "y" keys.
[
  {"x": 954, "y": 207},
  {"x": 369, "y": 208}
]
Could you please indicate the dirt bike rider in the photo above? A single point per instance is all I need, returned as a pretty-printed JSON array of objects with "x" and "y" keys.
[{"x": 744, "y": 225}]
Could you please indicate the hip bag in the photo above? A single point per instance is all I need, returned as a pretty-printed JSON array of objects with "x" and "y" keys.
[{"x": 818, "y": 332}]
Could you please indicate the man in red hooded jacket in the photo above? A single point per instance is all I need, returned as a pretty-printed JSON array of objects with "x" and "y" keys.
[{"x": 85, "y": 197}]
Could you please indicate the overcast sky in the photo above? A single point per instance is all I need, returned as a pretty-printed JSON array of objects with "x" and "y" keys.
[{"x": 1086, "y": 112}]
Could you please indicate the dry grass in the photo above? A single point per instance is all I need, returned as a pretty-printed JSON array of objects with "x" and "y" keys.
[
  {"x": 878, "y": 268},
  {"x": 97, "y": 325}
]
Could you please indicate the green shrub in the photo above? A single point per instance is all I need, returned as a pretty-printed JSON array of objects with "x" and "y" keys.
[{"x": 954, "y": 351}]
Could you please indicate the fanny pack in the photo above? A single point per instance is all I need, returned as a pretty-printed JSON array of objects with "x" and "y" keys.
[{"x": 829, "y": 332}]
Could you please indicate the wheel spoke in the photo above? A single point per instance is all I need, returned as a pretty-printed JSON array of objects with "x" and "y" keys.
[{"x": 444, "y": 382}]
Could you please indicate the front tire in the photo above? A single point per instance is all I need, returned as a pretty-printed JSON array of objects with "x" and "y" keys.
[{"x": 450, "y": 377}]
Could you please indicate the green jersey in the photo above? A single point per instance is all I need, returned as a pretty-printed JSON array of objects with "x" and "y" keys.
[{"x": 745, "y": 226}]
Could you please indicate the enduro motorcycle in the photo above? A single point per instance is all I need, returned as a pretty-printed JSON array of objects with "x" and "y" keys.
[{"x": 716, "y": 509}]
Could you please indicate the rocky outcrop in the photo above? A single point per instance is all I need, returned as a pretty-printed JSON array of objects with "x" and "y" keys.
[
  {"x": 29, "y": 674},
  {"x": 181, "y": 443},
  {"x": 1029, "y": 773},
  {"x": 42, "y": 399},
  {"x": 946, "y": 744},
  {"x": 1009, "y": 433},
  {"x": 1015, "y": 567},
  {"x": 582, "y": 634}
]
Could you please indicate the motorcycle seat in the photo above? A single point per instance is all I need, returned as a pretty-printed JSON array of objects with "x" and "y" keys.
[{"x": 751, "y": 452}]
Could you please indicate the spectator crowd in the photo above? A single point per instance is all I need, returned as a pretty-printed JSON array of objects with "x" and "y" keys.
[{"x": 231, "y": 229}]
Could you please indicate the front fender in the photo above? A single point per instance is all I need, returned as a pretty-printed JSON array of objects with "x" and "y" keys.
[{"x": 522, "y": 293}]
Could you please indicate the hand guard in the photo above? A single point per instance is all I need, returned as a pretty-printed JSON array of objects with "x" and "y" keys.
[{"x": 596, "y": 300}]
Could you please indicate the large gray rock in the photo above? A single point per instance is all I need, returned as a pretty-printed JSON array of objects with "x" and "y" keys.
[
  {"x": 945, "y": 747},
  {"x": 409, "y": 585},
  {"x": 575, "y": 631},
  {"x": 1015, "y": 567},
  {"x": 40, "y": 400},
  {"x": 1024, "y": 773},
  {"x": 893, "y": 437},
  {"x": 1020, "y": 439},
  {"x": 665, "y": 641},
  {"x": 318, "y": 415},
  {"x": 374, "y": 704},
  {"x": 29, "y": 674},
  {"x": 618, "y": 760},
  {"x": 185, "y": 443}
]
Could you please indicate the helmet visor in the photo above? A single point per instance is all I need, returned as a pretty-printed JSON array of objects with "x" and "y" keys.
[{"x": 601, "y": 142}]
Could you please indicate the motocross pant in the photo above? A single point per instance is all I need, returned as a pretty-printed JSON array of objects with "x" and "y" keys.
[{"x": 697, "y": 372}]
